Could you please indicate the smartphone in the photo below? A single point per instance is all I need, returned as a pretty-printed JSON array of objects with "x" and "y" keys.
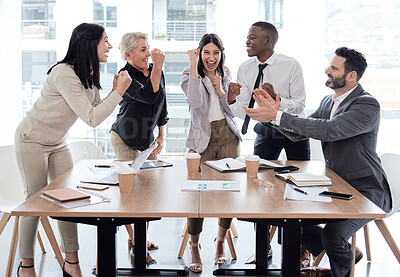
[
  {"x": 337, "y": 195},
  {"x": 286, "y": 169}
]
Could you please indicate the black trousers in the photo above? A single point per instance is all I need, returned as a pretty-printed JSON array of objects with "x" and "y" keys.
[{"x": 270, "y": 142}]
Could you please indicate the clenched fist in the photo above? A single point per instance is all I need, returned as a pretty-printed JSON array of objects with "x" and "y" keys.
[
  {"x": 121, "y": 82},
  {"x": 158, "y": 57}
]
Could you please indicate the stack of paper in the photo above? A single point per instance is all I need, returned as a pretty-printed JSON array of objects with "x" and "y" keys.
[
  {"x": 312, "y": 194},
  {"x": 301, "y": 179}
]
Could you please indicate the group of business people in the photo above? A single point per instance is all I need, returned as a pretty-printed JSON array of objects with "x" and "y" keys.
[{"x": 346, "y": 122}]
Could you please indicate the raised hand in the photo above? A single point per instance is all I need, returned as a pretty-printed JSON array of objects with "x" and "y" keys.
[
  {"x": 193, "y": 55},
  {"x": 158, "y": 57},
  {"x": 267, "y": 109},
  {"x": 269, "y": 89},
  {"x": 122, "y": 81},
  {"x": 233, "y": 92}
]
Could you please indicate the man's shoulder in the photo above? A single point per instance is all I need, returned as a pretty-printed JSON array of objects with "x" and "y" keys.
[
  {"x": 248, "y": 63},
  {"x": 285, "y": 58}
]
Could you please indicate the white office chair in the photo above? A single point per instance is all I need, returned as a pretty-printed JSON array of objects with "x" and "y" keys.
[
  {"x": 11, "y": 196},
  {"x": 390, "y": 164},
  {"x": 85, "y": 150}
]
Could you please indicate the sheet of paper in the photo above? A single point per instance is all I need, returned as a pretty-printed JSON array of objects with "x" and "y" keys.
[
  {"x": 211, "y": 185},
  {"x": 313, "y": 194}
]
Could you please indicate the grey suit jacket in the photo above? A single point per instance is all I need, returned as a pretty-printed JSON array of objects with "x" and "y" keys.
[
  {"x": 198, "y": 99},
  {"x": 348, "y": 141}
]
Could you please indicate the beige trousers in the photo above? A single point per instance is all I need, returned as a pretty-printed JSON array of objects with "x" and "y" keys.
[
  {"x": 122, "y": 150},
  {"x": 38, "y": 165},
  {"x": 223, "y": 144}
]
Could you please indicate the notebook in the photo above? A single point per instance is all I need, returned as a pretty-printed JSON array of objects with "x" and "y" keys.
[
  {"x": 301, "y": 179},
  {"x": 238, "y": 164},
  {"x": 65, "y": 195},
  {"x": 110, "y": 176}
]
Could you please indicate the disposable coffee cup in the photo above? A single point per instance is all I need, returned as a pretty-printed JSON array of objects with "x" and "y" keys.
[
  {"x": 125, "y": 179},
  {"x": 252, "y": 163},
  {"x": 193, "y": 162}
]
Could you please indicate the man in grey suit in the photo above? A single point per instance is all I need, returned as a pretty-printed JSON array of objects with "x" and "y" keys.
[{"x": 347, "y": 125}]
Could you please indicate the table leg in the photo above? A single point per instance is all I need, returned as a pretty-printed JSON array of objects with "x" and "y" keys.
[
  {"x": 106, "y": 250},
  {"x": 291, "y": 238},
  {"x": 140, "y": 246}
]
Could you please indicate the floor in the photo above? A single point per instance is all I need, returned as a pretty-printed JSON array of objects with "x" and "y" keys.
[{"x": 167, "y": 232}]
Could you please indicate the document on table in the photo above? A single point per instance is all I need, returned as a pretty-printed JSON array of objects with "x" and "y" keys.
[
  {"x": 312, "y": 194},
  {"x": 191, "y": 185}
]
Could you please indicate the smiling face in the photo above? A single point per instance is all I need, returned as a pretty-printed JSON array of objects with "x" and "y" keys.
[
  {"x": 259, "y": 43},
  {"x": 103, "y": 48},
  {"x": 139, "y": 56},
  {"x": 210, "y": 57},
  {"x": 336, "y": 73}
]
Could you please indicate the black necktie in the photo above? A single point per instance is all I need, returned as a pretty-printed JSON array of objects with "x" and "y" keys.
[{"x": 260, "y": 76}]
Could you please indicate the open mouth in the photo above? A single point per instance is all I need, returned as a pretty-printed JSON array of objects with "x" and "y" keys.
[{"x": 211, "y": 65}]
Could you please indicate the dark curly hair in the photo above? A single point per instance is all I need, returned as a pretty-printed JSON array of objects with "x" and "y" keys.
[
  {"x": 82, "y": 54},
  {"x": 355, "y": 61},
  {"x": 206, "y": 39}
]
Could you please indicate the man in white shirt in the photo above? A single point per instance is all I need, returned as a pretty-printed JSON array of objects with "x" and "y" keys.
[
  {"x": 263, "y": 69},
  {"x": 286, "y": 76},
  {"x": 347, "y": 125}
]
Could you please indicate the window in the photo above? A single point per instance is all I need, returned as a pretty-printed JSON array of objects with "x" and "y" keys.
[
  {"x": 272, "y": 11},
  {"x": 38, "y": 19},
  {"x": 186, "y": 20},
  {"x": 35, "y": 65},
  {"x": 104, "y": 15},
  {"x": 107, "y": 71}
]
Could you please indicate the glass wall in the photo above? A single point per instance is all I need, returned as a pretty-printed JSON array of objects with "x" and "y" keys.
[{"x": 175, "y": 26}]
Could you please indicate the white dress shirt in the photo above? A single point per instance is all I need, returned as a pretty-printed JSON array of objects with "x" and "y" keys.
[
  {"x": 215, "y": 112},
  {"x": 286, "y": 76}
]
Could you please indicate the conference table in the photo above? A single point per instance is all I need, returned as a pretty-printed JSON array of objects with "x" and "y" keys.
[{"x": 157, "y": 193}]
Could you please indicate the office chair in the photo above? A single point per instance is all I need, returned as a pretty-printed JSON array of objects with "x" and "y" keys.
[
  {"x": 11, "y": 196},
  {"x": 390, "y": 164}
]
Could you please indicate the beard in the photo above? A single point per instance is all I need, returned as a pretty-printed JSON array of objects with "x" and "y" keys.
[{"x": 335, "y": 83}]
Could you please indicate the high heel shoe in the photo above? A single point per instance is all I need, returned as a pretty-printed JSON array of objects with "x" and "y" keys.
[
  {"x": 65, "y": 274},
  {"x": 196, "y": 267},
  {"x": 220, "y": 258},
  {"x": 23, "y": 266}
]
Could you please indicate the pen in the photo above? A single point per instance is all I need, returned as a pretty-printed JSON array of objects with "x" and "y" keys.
[
  {"x": 227, "y": 165},
  {"x": 299, "y": 190},
  {"x": 102, "y": 165}
]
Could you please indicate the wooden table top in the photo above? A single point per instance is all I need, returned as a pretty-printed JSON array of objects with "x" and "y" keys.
[
  {"x": 256, "y": 201},
  {"x": 157, "y": 193}
]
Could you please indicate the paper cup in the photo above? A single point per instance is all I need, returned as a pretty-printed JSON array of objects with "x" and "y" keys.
[
  {"x": 252, "y": 163},
  {"x": 192, "y": 162},
  {"x": 125, "y": 179}
]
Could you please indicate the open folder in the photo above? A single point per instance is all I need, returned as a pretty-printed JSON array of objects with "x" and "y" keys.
[{"x": 238, "y": 164}]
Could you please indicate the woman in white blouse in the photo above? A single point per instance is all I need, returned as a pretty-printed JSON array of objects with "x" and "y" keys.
[{"x": 213, "y": 131}]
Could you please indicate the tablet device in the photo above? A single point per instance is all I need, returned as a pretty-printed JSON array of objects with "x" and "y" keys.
[{"x": 337, "y": 195}]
